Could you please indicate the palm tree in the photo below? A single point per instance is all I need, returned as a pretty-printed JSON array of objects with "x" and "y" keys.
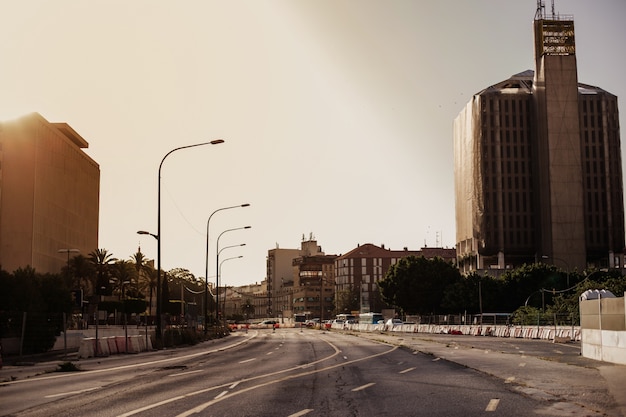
[
  {"x": 102, "y": 260},
  {"x": 145, "y": 275},
  {"x": 84, "y": 273},
  {"x": 121, "y": 275}
]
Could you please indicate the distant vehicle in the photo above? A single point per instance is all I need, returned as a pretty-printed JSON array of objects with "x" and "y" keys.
[
  {"x": 268, "y": 322},
  {"x": 345, "y": 317},
  {"x": 312, "y": 322},
  {"x": 370, "y": 318},
  {"x": 394, "y": 322}
]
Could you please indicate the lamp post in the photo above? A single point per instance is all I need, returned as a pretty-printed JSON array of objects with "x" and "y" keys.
[
  {"x": 558, "y": 259},
  {"x": 217, "y": 270},
  {"x": 206, "y": 263},
  {"x": 220, "y": 271},
  {"x": 159, "y": 236},
  {"x": 68, "y": 251}
]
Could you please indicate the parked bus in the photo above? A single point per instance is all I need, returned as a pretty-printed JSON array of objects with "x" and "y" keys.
[
  {"x": 346, "y": 317},
  {"x": 370, "y": 318}
]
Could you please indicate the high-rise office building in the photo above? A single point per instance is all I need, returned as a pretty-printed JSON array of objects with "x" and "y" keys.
[
  {"x": 538, "y": 174},
  {"x": 49, "y": 195}
]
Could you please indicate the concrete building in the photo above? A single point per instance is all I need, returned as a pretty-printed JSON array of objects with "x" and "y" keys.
[
  {"x": 294, "y": 277},
  {"x": 538, "y": 174},
  {"x": 358, "y": 272},
  {"x": 49, "y": 195}
]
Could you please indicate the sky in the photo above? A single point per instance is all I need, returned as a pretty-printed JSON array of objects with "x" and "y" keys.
[{"x": 337, "y": 116}]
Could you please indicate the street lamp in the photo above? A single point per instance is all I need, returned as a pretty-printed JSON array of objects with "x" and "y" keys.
[
  {"x": 159, "y": 236},
  {"x": 220, "y": 271},
  {"x": 206, "y": 263},
  {"x": 217, "y": 270},
  {"x": 68, "y": 251},
  {"x": 558, "y": 259}
]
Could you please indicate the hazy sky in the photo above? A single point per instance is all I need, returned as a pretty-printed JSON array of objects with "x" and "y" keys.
[{"x": 337, "y": 115}]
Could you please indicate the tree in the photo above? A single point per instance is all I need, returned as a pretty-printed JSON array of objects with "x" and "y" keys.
[
  {"x": 348, "y": 300},
  {"x": 102, "y": 260},
  {"x": 84, "y": 273},
  {"x": 416, "y": 285}
]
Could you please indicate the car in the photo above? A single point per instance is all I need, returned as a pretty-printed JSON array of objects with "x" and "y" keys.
[
  {"x": 394, "y": 322},
  {"x": 312, "y": 322}
]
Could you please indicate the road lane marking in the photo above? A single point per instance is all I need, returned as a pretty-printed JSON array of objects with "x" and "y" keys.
[
  {"x": 247, "y": 360},
  {"x": 186, "y": 373},
  {"x": 493, "y": 404},
  {"x": 301, "y": 413},
  {"x": 234, "y": 385},
  {"x": 407, "y": 370},
  {"x": 362, "y": 387},
  {"x": 202, "y": 407},
  {"x": 61, "y": 394},
  {"x": 436, "y": 359},
  {"x": 202, "y": 391},
  {"x": 134, "y": 365},
  {"x": 221, "y": 394}
]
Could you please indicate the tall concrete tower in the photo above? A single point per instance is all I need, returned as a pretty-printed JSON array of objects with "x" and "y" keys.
[{"x": 559, "y": 165}]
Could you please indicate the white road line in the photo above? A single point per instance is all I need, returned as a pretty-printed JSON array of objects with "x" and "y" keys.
[
  {"x": 436, "y": 359},
  {"x": 248, "y": 360},
  {"x": 406, "y": 370},
  {"x": 301, "y": 413},
  {"x": 186, "y": 373},
  {"x": 61, "y": 394},
  {"x": 134, "y": 365},
  {"x": 221, "y": 394},
  {"x": 362, "y": 387},
  {"x": 201, "y": 407},
  {"x": 493, "y": 404},
  {"x": 234, "y": 385}
]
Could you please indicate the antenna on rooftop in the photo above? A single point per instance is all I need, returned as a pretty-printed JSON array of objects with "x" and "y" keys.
[
  {"x": 541, "y": 7},
  {"x": 553, "y": 13}
]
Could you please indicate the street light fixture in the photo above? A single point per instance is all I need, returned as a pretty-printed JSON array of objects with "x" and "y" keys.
[
  {"x": 206, "y": 263},
  {"x": 217, "y": 270},
  {"x": 159, "y": 236},
  {"x": 558, "y": 259},
  {"x": 220, "y": 270},
  {"x": 68, "y": 251}
]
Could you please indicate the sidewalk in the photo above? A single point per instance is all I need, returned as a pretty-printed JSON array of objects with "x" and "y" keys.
[{"x": 569, "y": 384}]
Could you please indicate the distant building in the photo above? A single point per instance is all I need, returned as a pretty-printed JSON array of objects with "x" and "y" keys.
[
  {"x": 538, "y": 171},
  {"x": 357, "y": 273},
  {"x": 297, "y": 279},
  {"x": 49, "y": 195}
]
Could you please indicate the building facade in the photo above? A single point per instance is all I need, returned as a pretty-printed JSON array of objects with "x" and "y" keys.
[
  {"x": 538, "y": 166},
  {"x": 357, "y": 274},
  {"x": 49, "y": 195}
]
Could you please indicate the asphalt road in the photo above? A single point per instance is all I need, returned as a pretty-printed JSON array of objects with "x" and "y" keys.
[{"x": 295, "y": 373}]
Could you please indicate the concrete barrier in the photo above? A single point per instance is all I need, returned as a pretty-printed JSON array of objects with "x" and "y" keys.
[{"x": 521, "y": 332}]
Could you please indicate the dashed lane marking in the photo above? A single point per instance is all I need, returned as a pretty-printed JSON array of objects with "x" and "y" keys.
[
  {"x": 301, "y": 413},
  {"x": 62, "y": 394},
  {"x": 493, "y": 404},
  {"x": 362, "y": 387},
  {"x": 186, "y": 373}
]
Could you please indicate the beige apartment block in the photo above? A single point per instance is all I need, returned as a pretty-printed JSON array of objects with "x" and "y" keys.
[{"x": 49, "y": 195}]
